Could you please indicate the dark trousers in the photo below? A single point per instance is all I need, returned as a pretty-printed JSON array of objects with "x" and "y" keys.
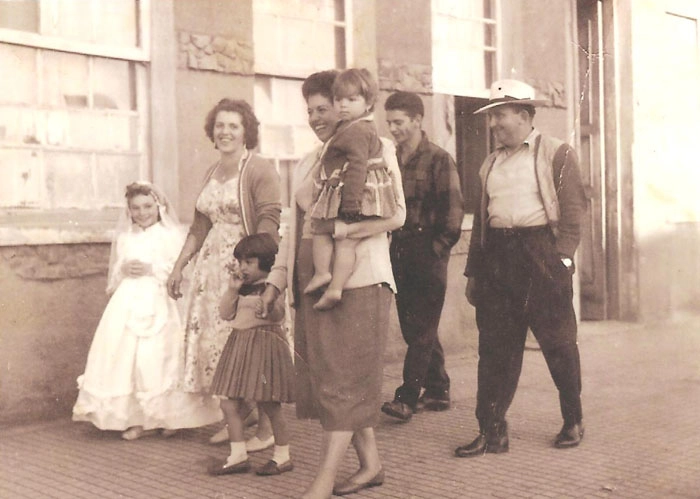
[
  {"x": 421, "y": 280},
  {"x": 524, "y": 284}
]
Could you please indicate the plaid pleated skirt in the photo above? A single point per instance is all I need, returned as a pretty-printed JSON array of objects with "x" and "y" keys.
[{"x": 256, "y": 364}]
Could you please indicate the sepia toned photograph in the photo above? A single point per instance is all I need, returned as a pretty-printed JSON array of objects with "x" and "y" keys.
[{"x": 407, "y": 249}]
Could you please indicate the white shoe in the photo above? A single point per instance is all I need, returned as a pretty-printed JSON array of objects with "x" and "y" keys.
[
  {"x": 255, "y": 444},
  {"x": 220, "y": 436}
]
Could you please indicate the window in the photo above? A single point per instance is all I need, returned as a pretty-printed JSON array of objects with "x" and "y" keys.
[
  {"x": 292, "y": 39},
  {"x": 73, "y": 117},
  {"x": 299, "y": 37},
  {"x": 465, "y": 36}
]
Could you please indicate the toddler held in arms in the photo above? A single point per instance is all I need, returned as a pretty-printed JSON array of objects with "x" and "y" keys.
[{"x": 352, "y": 184}]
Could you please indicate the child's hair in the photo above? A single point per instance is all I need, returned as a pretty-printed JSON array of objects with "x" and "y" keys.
[
  {"x": 261, "y": 246},
  {"x": 140, "y": 189},
  {"x": 356, "y": 81}
]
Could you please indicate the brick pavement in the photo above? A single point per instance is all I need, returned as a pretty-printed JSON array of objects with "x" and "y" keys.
[{"x": 641, "y": 402}]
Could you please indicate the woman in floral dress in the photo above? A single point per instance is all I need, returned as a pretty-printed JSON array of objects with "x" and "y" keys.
[{"x": 241, "y": 196}]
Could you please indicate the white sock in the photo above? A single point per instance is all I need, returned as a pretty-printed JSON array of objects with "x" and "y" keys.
[
  {"x": 281, "y": 454},
  {"x": 238, "y": 453}
]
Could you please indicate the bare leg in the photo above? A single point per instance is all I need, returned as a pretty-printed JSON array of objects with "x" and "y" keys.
[
  {"x": 265, "y": 428},
  {"x": 322, "y": 252},
  {"x": 333, "y": 447},
  {"x": 365, "y": 445},
  {"x": 343, "y": 266},
  {"x": 273, "y": 410},
  {"x": 234, "y": 422}
]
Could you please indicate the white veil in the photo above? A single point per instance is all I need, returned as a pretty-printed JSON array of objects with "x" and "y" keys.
[{"x": 166, "y": 216}]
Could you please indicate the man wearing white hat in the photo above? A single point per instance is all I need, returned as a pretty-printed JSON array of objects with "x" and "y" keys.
[{"x": 520, "y": 265}]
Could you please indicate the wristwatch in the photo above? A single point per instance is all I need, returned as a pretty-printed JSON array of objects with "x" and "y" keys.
[{"x": 568, "y": 262}]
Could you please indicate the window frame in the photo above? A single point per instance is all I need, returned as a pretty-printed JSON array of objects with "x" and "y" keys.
[
  {"x": 41, "y": 224},
  {"x": 275, "y": 73},
  {"x": 491, "y": 49}
]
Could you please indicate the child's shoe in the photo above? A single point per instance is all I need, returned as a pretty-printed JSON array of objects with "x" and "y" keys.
[{"x": 272, "y": 468}]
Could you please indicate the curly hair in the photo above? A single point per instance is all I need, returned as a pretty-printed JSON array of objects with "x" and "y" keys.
[
  {"x": 248, "y": 119},
  {"x": 320, "y": 83},
  {"x": 139, "y": 189}
]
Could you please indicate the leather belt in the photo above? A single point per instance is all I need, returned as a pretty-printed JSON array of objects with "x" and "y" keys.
[{"x": 516, "y": 231}]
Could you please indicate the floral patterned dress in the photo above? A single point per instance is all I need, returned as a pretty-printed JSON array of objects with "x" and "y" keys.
[{"x": 206, "y": 333}]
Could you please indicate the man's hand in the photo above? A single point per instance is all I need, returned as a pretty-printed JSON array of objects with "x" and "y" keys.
[
  {"x": 470, "y": 292},
  {"x": 267, "y": 301}
]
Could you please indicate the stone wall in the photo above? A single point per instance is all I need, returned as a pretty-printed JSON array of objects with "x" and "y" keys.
[{"x": 51, "y": 299}]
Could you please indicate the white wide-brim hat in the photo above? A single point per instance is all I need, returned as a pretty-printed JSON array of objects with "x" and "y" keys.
[{"x": 504, "y": 92}]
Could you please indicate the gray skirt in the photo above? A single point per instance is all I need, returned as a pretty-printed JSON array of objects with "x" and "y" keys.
[
  {"x": 339, "y": 353},
  {"x": 255, "y": 364}
]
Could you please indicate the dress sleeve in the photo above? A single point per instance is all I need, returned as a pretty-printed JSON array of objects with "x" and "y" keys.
[
  {"x": 168, "y": 250},
  {"x": 115, "y": 273},
  {"x": 354, "y": 143}
]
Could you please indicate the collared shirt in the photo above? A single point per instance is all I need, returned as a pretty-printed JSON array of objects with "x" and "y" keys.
[
  {"x": 433, "y": 193},
  {"x": 514, "y": 196}
]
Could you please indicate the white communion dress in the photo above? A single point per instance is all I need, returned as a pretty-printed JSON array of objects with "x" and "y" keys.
[{"x": 133, "y": 374}]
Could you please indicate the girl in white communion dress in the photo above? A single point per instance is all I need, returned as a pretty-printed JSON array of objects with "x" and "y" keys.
[{"x": 133, "y": 375}]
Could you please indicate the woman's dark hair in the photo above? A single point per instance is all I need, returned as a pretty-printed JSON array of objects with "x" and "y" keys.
[
  {"x": 261, "y": 246},
  {"x": 360, "y": 81},
  {"x": 248, "y": 119},
  {"x": 319, "y": 83},
  {"x": 408, "y": 102}
]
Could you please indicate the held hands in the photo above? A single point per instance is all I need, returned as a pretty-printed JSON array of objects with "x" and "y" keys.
[
  {"x": 136, "y": 268},
  {"x": 267, "y": 301}
]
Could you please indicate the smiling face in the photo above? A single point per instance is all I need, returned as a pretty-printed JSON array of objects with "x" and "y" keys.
[
  {"x": 323, "y": 117},
  {"x": 402, "y": 126},
  {"x": 143, "y": 210},
  {"x": 249, "y": 267},
  {"x": 351, "y": 106},
  {"x": 509, "y": 125},
  {"x": 229, "y": 132}
]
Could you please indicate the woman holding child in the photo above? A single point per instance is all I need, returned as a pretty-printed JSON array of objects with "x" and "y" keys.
[{"x": 339, "y": 349}]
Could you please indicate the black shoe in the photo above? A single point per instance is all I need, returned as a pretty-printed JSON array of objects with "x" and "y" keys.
[
  {"x": 398, "y": 410},
  {"x": 426, "y": 403},
  {"x": 569, "y": 436},
  {"x": 493, "y": 444}
]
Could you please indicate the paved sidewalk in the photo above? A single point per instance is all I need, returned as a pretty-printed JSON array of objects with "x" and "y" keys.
[{"x": 641, "y": 406}]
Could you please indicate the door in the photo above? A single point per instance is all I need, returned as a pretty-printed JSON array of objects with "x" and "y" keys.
[{"x": 591, "y": 253}]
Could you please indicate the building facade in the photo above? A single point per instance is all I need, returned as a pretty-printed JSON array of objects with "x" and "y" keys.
[{"x": 103, "y": 93}]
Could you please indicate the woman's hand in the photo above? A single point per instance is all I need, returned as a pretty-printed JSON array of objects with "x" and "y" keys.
[
  {"x": 267, "y": 301},
  {"x": 136, "y": 268},
  {"x": 173, "y": 284}
]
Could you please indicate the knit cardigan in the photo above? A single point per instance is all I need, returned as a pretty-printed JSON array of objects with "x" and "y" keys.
[
  {"x": 563, "y": 198},
  {"x": 259, "y": 196}
]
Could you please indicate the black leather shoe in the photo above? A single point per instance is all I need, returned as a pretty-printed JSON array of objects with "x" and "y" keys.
[
  {"x": 569, "y": 436},
  {"x": 483, "y": 444},
  {"x": 398, "y": 410},
  {"x": 426, "y": 403}
]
